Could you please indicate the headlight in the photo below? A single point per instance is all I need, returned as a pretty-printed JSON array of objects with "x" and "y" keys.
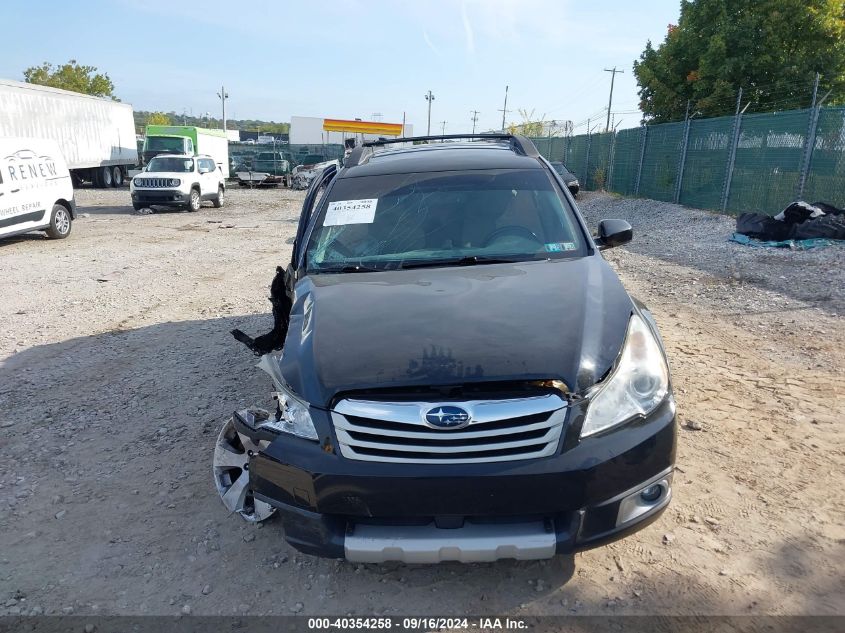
[
  {"x": 136, "y": 182},
  {"x": 174, "y": 182},
  {"x": 637, "y": 385},
  {"x": 296, "y": 419}
]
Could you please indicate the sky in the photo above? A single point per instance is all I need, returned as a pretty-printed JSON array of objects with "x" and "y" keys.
[{"x": 351, "y": 58}]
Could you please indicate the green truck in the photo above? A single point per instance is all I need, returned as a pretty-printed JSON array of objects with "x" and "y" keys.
[{"x": 186, "y": 139}]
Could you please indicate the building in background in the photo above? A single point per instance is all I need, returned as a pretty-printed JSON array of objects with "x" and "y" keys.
[{"x": 305, "y": 130}]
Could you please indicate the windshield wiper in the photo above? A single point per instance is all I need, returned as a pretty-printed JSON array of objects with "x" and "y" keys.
[
  {"x": 347, "y": 269},
  {"x": 470, "y": 260}
]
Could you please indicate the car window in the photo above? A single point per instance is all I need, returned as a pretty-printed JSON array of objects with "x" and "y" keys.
[
  {"x": 385, "y": 221},
  {"x": 171, "y": 164}
]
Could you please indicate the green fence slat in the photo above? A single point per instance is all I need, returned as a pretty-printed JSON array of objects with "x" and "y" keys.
[
  {"x": 708, "y": 148},
  {"x": 826, "y": 178},
  {"x": 768, "y": 161},
  {"x": 660, "y": 162}
]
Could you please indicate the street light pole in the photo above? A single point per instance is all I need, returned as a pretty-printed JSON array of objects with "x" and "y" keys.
[
  {"x": 429, "y": 97},
  {"x": 223, "y": 96}
]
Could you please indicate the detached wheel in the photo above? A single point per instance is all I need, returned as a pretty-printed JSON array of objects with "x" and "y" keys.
[
  {"x": 220, "y": 200},
  {"x": 231, "y": 475},
  {"x": 116, "y": 177},
  {"x": 194, "y": 202},
  {"x": 60, "y": 223}
]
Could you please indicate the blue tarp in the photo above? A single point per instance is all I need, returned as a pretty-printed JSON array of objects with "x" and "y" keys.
[{"x": 797, "y": 245}]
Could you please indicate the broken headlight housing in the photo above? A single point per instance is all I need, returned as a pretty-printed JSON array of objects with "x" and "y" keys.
[
  {"x": 637, "y": 385},
  {"x": 293, "y": 415}
]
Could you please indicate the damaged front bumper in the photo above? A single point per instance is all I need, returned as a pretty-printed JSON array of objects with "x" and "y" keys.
[{"x": 591, "y": 491}]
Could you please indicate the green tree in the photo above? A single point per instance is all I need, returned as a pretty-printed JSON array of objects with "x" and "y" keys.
[
  {"x": 71, "y": 76},
  {"x": 158, "y": 118},
  {"x": 772, "y": 49}
]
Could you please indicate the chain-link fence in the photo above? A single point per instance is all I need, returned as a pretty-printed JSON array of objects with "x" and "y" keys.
[
  {"x": 753, "y": 162},
  {"x": 242, "y": 155}
]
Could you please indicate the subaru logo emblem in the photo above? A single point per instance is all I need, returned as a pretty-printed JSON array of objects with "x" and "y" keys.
[{"x": 447, "y": 417}]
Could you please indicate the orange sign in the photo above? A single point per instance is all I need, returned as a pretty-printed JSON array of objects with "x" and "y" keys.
[{"x": 362, "y": 127}]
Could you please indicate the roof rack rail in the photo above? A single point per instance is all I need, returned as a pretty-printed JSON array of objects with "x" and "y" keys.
[{"x": 518, "y": 143}]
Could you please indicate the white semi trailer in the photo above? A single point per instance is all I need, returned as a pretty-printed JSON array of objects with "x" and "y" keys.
[{"x": 96, "y": 136}]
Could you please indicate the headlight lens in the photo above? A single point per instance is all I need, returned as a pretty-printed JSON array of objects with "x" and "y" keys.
[
  {"x": 639, "y": 383},
  {"x": 174, "y": 182},
  {"x": 296, "y": 418}
]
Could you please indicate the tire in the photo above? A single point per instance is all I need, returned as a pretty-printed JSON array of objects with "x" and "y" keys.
[
  {"x": 116, "y": 177},
  {"x": 60, "y": 223},
  {"x": 220, "y": 200},
  {"x": 95, "y": 178},
  {"x": 195, "y": 201},
  {"x": 105, "y": 177},
  {"x": 137, "y": 206}
]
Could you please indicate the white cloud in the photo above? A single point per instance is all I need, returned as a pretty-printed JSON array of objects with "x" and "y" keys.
[
  {"x": 470, "y": 37},
  {"x": 430, "y": 44}
]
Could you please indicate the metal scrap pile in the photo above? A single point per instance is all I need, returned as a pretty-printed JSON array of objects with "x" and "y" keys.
[{"x": 303, "y": 175}]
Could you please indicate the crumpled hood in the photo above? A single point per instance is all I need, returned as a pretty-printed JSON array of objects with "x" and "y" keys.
[{"x": 563, "y": 319}]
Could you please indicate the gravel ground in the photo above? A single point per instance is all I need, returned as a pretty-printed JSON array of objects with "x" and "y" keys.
[
  {"x": 699, "y": 239},
  {"x": 117, "y": 369}
]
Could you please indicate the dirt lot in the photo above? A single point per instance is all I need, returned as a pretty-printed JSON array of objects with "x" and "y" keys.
[{"x": 117, "y": 368}]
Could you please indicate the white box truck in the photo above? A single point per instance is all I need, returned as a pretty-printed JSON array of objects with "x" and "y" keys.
[
  {"x": 96, "y": 136},
  {"x": 187, "y": 139}
]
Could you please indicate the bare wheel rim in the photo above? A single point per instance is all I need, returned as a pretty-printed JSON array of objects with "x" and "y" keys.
[
  {"x": 231, "y": 475},
  {"x": 221, "y": 197},
  {"x": 62, "y": 220},
  {"x": 117, "y": 177},
  {"x": 107, "y": 177},
  {"x": 195, "y": 200}
]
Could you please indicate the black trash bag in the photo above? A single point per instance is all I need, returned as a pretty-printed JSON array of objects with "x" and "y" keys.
[
  {"x": 829, "y": 209},
  {"x": 763, "y": 227},
  {"x": 827, "y": 226},
  {"x": 798, "y": 212}
]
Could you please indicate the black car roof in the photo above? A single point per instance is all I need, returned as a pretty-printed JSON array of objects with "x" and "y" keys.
[{"x": 443, "y": 156}]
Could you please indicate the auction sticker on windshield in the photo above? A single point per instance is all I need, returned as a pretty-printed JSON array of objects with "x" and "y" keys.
[{"x": 351, "y": 212}]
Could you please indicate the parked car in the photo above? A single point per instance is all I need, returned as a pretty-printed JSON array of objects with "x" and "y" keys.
[
  {"x": 36, "y": 191},
  {"x": 569, "y": 178},
  {"x": 179, "y": 181},
  {"x": 268, "y": 168},
  {"x": 462, "y": 374}
]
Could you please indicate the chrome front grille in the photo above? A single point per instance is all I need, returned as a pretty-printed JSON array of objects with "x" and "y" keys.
[
  {"x": 152, "y": 183},
  {"x": 499, "y": 430}
]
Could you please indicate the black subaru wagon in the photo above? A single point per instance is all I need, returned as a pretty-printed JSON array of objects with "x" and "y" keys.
[{"x": 458, "y": 373}]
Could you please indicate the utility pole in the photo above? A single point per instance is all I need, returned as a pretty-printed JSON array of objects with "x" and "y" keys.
[
  {"x": 443, "y": 128},
  {"x": 504, "y": 109},
  {"x": 474, "y": 119},
  {"x": 429, "y": 97},
  {"x": 610, "y": 101},
  {"x": 223, "y": 95}
]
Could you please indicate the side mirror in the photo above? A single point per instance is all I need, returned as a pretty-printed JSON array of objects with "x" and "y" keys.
[{"x": 613, "y": 233}]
